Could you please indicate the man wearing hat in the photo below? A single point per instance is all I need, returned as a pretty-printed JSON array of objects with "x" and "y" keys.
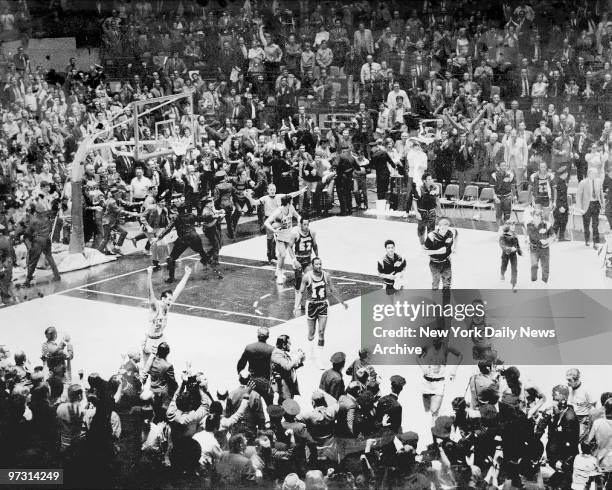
[
  {"x": 390, "y": 407},
  {"x": 37, "y": 230},
  {"x": 331, "y": 380},
  {"x": 321, "y": 420},
  {"x": 257, "y": 355},
  {"x": 7, "y": 259},
  {"x": 299, "y": 431},
  {"x": 185, "y": 223}
]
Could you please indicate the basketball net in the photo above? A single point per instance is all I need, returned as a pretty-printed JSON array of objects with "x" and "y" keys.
[{"x": 179, "y": 146}]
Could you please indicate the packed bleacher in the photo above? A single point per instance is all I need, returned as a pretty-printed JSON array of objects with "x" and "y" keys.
[{"x": 324, "y": 100}]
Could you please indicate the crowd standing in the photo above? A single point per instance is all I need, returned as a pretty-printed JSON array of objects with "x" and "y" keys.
[{"x": 519, "y": 93}]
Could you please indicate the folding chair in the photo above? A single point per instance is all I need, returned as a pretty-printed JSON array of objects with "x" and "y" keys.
[
  {"x": 485, "y": 201},
  {"x": 451, "y": 195},
  {"x": 470, "y": 196},
  {"x": 521, "y": 204}
]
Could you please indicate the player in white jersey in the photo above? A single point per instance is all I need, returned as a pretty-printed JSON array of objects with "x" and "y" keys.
[
  {"x": 158, "y": 319},
  {"x": 280, "y": 223},
  {"x": 318, "y": 286}
]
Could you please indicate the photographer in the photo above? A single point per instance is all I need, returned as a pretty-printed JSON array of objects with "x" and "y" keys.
[{"x": 189, "y": 406}]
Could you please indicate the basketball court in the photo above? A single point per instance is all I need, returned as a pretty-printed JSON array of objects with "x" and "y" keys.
[{"x": 105, "y": 309}]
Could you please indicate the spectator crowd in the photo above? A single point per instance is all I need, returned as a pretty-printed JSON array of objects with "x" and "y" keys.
[
  {"x": 165, "y": 429},
  {"x": 308, "y": 99}
]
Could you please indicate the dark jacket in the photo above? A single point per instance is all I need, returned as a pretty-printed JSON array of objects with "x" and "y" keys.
[
  {"x": 389, "y": 405},
  {"x": 257, "y": 355},
  {"x": 162, "y": 377}
]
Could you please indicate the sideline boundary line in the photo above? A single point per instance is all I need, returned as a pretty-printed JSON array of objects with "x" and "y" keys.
[{"x": 182, "y": 305}]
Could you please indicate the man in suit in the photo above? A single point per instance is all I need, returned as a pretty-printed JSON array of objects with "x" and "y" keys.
[
  {"x": 450, "y": 86},
  {"x": 286, "y": 99},
  {"x": 191, "y": 181},
  {"x": 238, "y": 115},
  {"x": 284, "y": 368},
  {"x": 234, "y": 469},
  {"x": 494, "y": 154},
  {"x": 589, "y": 200},
  {"x": 390, "y": 406},
  {"x": 514, "y": 115},
  {"x": 163, "y": 383},
  {"x": 605, "y": 94},
  {"x": 582, "y": 144},
  {"x": 257, "y": 355},
  {"x": 302, "y": 121},
  {"x": 228, "y": 59},
  {"x": 363, "y": 42}
]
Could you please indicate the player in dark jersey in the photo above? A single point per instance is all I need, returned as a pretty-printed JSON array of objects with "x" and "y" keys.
[
  {"x": 304, "y": 244},
  {"x": 541, "y": 189},
  {"x": 439, "y": 245},
  {"x": 390, "y": 266},
  {"x": 318, "y": 286}
]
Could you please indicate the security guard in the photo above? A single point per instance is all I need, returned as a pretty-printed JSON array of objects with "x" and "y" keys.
[
  {"x": 36, "y": 229},
  {"x": 301, "y": 435},
  {"x": 185, "y": 224},
  {"x": 331, "y": 380},
  {"x": 390, "y": 406}
]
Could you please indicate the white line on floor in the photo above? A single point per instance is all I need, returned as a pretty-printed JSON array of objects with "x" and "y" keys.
[
  {"x": 265, "y": 296},
  {"x": 255, "y": 304},
  {"x": 204, "y": 308},
  {"x": 342, "y": 283},
  {"x": 76, "y": 288}
]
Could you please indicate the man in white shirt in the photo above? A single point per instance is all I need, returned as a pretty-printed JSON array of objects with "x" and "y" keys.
[
  {"x": 139, "y": 186},
  {"x": 516, "y": 155},
  {"x": 369, "y": 70},
  {"x": 392, "y": 97},
  {"x": 581, "y": 399}
]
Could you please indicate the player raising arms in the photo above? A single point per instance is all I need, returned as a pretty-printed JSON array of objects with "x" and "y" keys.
[
  {"x": 280, "y": 223},
  {"x": 304, "y": 242},
  {"x": 159, "y": 315},
  {"x": 319, "y": 287}
]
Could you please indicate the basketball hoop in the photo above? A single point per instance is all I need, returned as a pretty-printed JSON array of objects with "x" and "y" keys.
[{"x": 179, "y": 147}]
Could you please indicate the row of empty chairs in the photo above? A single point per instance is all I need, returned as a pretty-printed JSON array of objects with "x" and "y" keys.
[{"x": 483, "y": 200}]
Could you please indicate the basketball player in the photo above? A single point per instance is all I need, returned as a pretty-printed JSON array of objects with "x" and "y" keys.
[
  {"x": 280, "y": 224},
  {"x": 271, "y": 202},
  {"x": 541, "y": 190},
  {"x": 433, "y": 361},
  {"x": 304, "y": 243},
  {"x": 159, "y": 309},
  {"x": 425, "y": 204},
  {"x": 439, "y": 245},
  {"x": 318, "y": 285},
  {"x": 390, "y": 266}
]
